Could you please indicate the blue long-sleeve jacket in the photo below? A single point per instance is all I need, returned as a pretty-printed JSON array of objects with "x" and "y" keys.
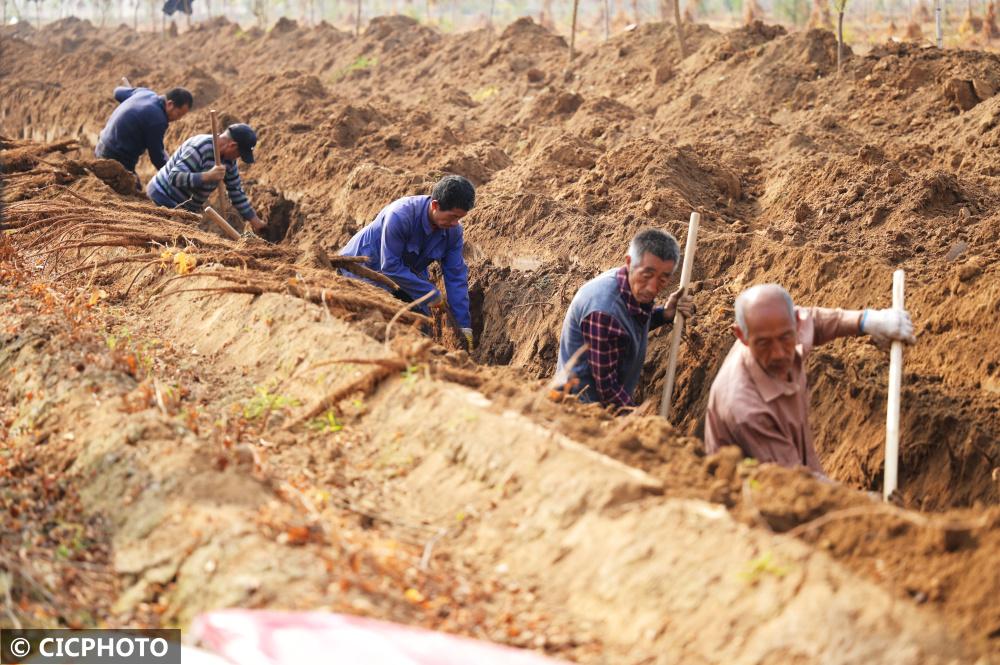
[
  {"x": 136, "y": 126},
  {"x": 401, "y": 244}
]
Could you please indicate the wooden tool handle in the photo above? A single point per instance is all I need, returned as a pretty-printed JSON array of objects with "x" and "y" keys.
[
  {"x": 675, "y": 340},
  {"x": 223, "y": 225},
  {"x": 215, "y": 135},
  {"x": 893, "y": 401}
]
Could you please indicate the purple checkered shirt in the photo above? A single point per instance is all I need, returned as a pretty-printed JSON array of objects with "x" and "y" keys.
[{"x": 607, "y": 339}]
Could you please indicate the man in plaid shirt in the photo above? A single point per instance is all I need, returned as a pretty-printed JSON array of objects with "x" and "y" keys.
[{"x": 613, "y": 313}]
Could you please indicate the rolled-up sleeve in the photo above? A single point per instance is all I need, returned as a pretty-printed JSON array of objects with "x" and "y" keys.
[{"x": 829, "y": 324}]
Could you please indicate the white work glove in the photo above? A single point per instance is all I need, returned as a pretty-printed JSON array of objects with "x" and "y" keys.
[
  {"x": 467, "y": 332},
  {"x": 887, "y": 325}
]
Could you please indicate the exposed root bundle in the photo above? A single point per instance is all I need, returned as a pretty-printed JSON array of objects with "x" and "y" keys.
[
  {"x": 17, "y": 155},
  {"x": 332, "y": 291},
  {"x": 19, "y": 186},
  {"x": 100, "y": 235},
  {"x": 365, "y": 384},
  {"x": 383, "y": 368}
]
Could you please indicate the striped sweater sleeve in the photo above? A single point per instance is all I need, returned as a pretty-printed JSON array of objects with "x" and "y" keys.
[
  {"x": 187, "y": 167},
  {"x": 237, "y": 196}
]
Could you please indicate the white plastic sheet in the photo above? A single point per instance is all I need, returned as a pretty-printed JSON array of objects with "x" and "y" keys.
[{"x": 250, "y": 637}]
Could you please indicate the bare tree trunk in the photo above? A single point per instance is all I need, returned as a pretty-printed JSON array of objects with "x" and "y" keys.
[
  {"x": 572, "y": 33},
  {"x": 607, "y": 20},
  {"x": 357, "y": 19},
  {"x": 937, "y": 20},
  {"x": 840, "y": 40},
  {"x": 490, "y": 20},
  {"x": 680, "y": 28}
]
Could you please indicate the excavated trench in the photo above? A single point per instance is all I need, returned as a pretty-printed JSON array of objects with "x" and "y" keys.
[{"x": 948, "y": 431}]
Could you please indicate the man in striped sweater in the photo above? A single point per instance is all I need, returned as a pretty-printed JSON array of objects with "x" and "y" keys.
[{"x": 191, "y": 174}]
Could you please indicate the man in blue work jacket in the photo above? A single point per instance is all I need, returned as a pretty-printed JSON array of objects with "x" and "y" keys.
[
  {"x": 411, "y": 233},
  {"x": 139, "y": 123}
]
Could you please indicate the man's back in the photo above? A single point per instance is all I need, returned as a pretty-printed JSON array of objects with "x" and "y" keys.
[
  {"x": 401, "y": 244},
  {"x": 408, "y": 213},
  {"x": 137, "y": 125}
]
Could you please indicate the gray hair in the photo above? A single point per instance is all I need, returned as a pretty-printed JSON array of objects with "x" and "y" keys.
[
  {"x": 660, "y": 244},
  {"x": 756, "y": 293}
]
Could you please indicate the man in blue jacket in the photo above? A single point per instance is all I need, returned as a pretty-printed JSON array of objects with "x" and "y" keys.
[
  {"x": 139, "y": 123},
  {"x": 411, "y": 233}
]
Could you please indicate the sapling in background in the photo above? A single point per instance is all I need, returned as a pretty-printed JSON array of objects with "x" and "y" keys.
[{"x": 840, "y": 6}]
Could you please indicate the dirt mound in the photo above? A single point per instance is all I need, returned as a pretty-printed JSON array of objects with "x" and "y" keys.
[
  {"x": 31, "y": 168},
  {"x": 203, "y": 86},
  {"x": 921, "y": 558},
  {"x": 521, "y": 43},
  {"x": 478, "y": 162},
  {"x": 742, "y": 40},
  {"x": 16, "y": 155}
]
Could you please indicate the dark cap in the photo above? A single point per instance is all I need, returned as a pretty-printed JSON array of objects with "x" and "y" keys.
[{"x": 245, "y": 138}]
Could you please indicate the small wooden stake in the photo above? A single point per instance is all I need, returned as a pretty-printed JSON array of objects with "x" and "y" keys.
[
  {"x": 675, "y": 340},
  {"x": 937, "y": 24},
  {"x": 680, "y": 29},
  {"x": 572, "y": 32},
  {"x": 895, "y": 386}
]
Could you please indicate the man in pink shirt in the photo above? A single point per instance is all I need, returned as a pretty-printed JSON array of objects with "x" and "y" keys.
[{"x": 759, "y": 400}]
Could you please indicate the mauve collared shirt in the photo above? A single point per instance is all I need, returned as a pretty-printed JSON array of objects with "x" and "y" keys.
[{"x": 766, "y": 417}]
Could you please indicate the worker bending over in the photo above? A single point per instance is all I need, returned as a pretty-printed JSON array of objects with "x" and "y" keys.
[
  {"x": 191, "y": 175},
  {"x": 411, "y": 233},
  {"x": 759, "y": 400},
  {"x": 613, "y": 314},
  {"x": 139, "y": 124}
]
